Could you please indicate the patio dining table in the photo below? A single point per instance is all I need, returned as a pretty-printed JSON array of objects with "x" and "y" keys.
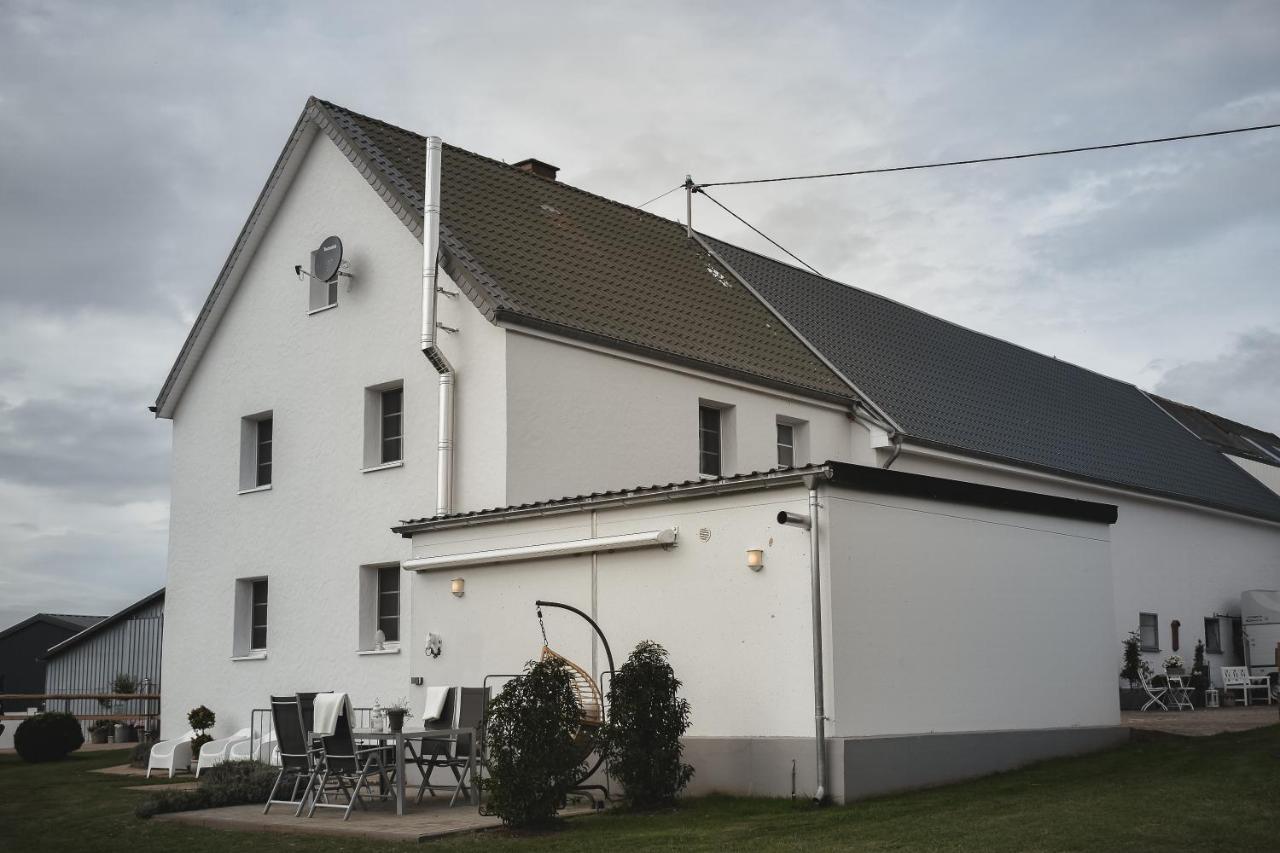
[{"x": 400, "y": 739}]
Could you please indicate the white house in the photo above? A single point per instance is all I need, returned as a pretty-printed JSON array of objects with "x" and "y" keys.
[{"x": 576, "y": 346}]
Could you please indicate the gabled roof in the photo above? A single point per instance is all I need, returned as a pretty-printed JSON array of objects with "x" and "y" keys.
[
  {"x": 102, "y": 624},
  {"x": 538, "y": 253},
  {"x": 951, "y": 387},
  {"x": 1225, "y": 434},
  {"x": 61, "y": 620}
]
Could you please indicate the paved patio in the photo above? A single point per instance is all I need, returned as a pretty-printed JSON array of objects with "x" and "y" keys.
[
  {"x": 1202, "y": 722},
  {"x": 431, "y": 819}
]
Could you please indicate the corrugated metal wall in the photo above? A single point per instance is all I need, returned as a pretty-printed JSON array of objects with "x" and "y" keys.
[{"x": 130, "y": 646}]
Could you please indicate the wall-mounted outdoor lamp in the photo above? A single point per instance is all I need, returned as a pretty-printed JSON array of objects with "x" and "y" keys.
[
  {"x": 458, "y": 587},
  {"x": 755, "y": 559}
]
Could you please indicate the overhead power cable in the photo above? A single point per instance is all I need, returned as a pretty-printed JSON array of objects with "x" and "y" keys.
[
  {"x": 974, "y": 160},
  {"x": 701, "y": 189},
  {"x": 664, "y": 195}
]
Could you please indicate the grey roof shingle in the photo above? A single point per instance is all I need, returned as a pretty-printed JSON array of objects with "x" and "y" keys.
[
  {"x": 956, "y": 388},
  {"x": 541, "y": 253}
]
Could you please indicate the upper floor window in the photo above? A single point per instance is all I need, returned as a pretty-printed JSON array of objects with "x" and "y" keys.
[
  {"x": 792, "y": 442},
  {"x": 383, "y": 424},
  {"x": 786, "y": 445},
  {"x": 392, "y": 406},
  {"x": 710, "y": 442},
  {"x": 1149, "y": 632},
  {"x": 257, "y": 439}
]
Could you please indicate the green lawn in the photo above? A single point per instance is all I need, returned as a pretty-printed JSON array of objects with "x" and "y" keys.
[{"x": 1217, "y": 793}]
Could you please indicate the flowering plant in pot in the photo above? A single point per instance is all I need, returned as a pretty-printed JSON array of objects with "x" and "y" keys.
[
  {"x": 1173, "y": 665},
  {"x": 396, "y": 712}
]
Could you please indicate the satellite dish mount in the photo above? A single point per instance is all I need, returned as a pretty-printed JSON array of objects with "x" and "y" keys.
[{"x": 327, "y": 264}]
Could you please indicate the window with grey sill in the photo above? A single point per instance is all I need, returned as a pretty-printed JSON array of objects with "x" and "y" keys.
[
  {"x": 379, "y": 607},
  {"x": 257, "y": 450},
  {"x": 389, "y": 603},
  {"x": 383, "y": 425},
  {"x": 1149, "y": 632},
  {"x": 249, "y": 626}
]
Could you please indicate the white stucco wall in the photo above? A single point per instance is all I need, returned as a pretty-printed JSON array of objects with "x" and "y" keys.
[
  {"x": 739, "y": 639},
  {"x": 1176, "y": 560},
  {"x": 586, "y": 420},
  {"x": 953, "y": 618},
  {"x": 1268, "y": 475},
  {"x": 322, "y": 517}
]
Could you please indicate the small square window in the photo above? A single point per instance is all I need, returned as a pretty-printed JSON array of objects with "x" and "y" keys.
[
  {"x": 1213, "y": 635},
  {"x": 1149, "y": 631}
]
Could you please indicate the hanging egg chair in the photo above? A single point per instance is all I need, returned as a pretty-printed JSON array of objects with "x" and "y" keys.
[{"x": 590, "y": 698}]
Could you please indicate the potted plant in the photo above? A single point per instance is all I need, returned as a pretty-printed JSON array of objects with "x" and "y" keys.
[
  {"x": 201, "y": 720},
  {"x": 124, "y": 684},
  {"x": 1133, "y": 667},
  {"x": 1174, "y": 665},
  {"x": 1199, "y": 674},
  {"x": 395, "y": 712},
  {"x": 99, "y": 730}
]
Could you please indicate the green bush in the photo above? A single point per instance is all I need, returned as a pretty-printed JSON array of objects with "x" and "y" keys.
[
  {"x": 48, "y": 737},
  {"x": 533, "y": 757},
  {"x": 646, "y": 720},
  {"x": 233, "y": 783}
]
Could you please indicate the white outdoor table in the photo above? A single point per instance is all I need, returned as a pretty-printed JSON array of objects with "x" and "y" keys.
[{"x": 399, "y": 739}]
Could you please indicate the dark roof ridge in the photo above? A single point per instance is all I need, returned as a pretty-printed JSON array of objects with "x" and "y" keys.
[
  {"x": 497, "y": 162},
  {"x": 873, "y": 294}
]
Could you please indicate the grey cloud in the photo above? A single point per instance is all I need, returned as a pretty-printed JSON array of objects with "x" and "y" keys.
[
  {"x": 97, "y": 442},
  {"x": 1242, "y": 383}
]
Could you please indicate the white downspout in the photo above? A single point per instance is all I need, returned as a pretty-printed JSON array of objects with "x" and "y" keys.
[
  {"x": 815, "y": 597},
  {"x": 430, "y": 293}
]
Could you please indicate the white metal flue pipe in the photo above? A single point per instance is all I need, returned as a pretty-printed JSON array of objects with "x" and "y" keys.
[{"x": 430, "y": 326}]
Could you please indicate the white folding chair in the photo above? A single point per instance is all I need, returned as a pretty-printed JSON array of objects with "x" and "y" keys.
[{"x": 1155, "y": 694}]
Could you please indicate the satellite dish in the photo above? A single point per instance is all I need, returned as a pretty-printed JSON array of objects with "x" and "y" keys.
[{"x": 326, "y": 260}]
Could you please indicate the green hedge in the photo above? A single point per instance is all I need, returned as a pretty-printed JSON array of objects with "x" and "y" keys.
[
  {"x": 48, "y": 737},
  {"x": 234, "y": 783}
]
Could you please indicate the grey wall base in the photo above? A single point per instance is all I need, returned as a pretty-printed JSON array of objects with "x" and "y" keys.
[{"x": 866, "y": 767}]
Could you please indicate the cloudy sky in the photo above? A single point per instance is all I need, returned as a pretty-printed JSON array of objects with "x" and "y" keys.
[{"x": 135, "y": 136}]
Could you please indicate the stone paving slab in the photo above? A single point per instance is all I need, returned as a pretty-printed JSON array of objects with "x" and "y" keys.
[
  {"x": 425, "y": 821},
  {"x": 129, "y": 770},
  {"x": 1202, "y": 722},
  {"x": 171, "y": 786}
]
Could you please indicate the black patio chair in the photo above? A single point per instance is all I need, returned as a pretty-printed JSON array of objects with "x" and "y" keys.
[
  {"x": 296, "y": 757},
  {"x": 436, "y": 753},
  {"x": 347, "y": 766}
]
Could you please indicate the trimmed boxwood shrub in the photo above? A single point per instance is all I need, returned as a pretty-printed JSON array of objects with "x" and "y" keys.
[
  {"x": 533, "y": 757},
  {"x": 233, "y": 783},
  {"x": 646, "y": 720},
  {"x": 48, "y": 737}
]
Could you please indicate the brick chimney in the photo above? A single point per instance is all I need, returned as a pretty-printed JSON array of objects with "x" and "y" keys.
[{"x": 539, "y": 168}]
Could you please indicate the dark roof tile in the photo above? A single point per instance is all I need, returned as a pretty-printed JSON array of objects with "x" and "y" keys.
[{"x": 957, "y": 388}]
